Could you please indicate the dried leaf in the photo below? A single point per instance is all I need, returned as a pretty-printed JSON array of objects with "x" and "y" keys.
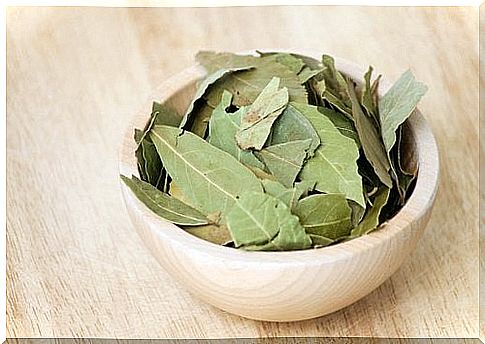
[
  {"x": 223, "y": 127},
  {"x": 334, "y": 165},
  {"x": 261, "y": 222},
  {"x": 370, "y": 139},
  {"x": 163, "y": 205},
  {"x": 203, "y": 172},
  {"x": 326, "y": 215},
  {"x": 371, "y": 219},
  {"x": 284, "y": 160},
  {"x": 259, "y": 118}
]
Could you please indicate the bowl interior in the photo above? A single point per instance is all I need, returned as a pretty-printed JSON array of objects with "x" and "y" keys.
[{"x": 418, "y": 145}]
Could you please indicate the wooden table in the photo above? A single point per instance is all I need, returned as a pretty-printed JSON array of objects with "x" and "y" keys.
[{"x": 75, "y": 77}]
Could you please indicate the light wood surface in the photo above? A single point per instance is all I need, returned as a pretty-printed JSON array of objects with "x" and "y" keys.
[
  {"x": 284, "y": 286},
  {"x": 76, "y": 76}
]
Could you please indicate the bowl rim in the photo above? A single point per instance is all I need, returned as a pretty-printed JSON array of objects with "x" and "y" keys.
[{"x": 420, "y": 201}]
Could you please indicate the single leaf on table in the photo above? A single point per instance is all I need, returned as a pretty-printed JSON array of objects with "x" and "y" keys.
[
  {"x": 326, "y": 215},
  {"x": 202, "y": 89},
  {"x": 214, "y": 233},
  {"x": 397, "y": 105},
  {"x": 334, "y": 165},
  {"x": 210, "y": 177},
  {"x": 223, "y": 127},
  {"x": 342, "y": 123},
  {"x": 256, "y": 123},
  {"x": 370, "y": 139},
  {"x": 292, "y": 125},
  {"x": 259, "y": 221},
  {"x": 285, "y": 160},
  {"x": 247, "y": 85},
  {"x": 165, "y": 206},
  {"x": 371, "y": 218}
]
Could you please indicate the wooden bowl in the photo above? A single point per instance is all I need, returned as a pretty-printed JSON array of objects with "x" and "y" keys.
[{"x": 283, "y": 286}]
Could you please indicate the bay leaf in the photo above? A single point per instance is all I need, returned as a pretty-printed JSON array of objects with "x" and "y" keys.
[
  {"x": 223, "y": 127},
  {"x": 370, "y": 139},
  {"x": 397, "y": 105},
  {"x": 205, "y": 174},
  {"x": 368, "y": 97},
  {"x": 335, "y": 91},
  {"x": 165, "y": 206},
  {"x": 201, "y": 90},
  {"x": 285, "y": 160},
  {"x": 214, "y": 233},
  {"x": 247, "y": 85},
  {"x": 334, "y": 165},
  {"x": 371, "y": 218},
  {"x": 150, "y": 166},
  {"x": 164, "y": 115},
  {"x": 326, "y": 215},
  {"x": 292, "y": 125},
  {"x": 292, "y": 62},
  {"x": 342, "y": 123},
  {"x": 260, "y": 173},
  {"x": 307, "y": 73},
  {"x": 256, "y": 123},
  {"x": 259, "y": 221},
  {"x": 213, "y": 61},
  {"x": 289, "y": 196},
  {"x": 320, "y": 241}
]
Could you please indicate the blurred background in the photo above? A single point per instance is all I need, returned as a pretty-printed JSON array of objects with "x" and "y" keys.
[{"x": 75, "y": 77}]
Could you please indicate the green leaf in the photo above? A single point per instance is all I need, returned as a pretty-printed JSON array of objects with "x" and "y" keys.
[
  {"x": 335, "y": 90},
  {"x": 292, "y": 125},
  {"x": 342, "y": 123},
  {"x": 293, "y": 63},
  {"x": 164, "y": 115},
  {"x": 247, "y": 85},
  {"x": 320, "y": 241},
  {"x": 285, "y": 160},
  {"x": 260, "y": 219},
  {"x": 370, "y": 139},
  {"x": 307, "y": 73},
  {"x": 163, "y": 205},
  {"x": 257, "y": 121},
  {"x": 289, "y": 196},
  {"x": 371, "y": 219},
  {"x": 326, "y": 215},
  {"x": 217, "y": 234},
  {"x": 201, "y": 90},
  {"x": 223, "y": 127},
  {"x": 369, "y": 96},
  {"x": 210, "y": 177},
  {"x": 334, "y": 165},
  {"x": 149, "y": 164},
  {"x": 397, "y": 105}
]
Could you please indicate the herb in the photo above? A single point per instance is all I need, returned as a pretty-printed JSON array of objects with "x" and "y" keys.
[{"x": 279, "y": 152}]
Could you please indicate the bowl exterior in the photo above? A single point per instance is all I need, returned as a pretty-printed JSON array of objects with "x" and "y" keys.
[
  {"x": 284, "y": 286},
  {"x": 276, "y": 290}
]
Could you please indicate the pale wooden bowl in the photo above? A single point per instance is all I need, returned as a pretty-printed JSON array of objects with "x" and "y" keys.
[{"x": 282, "y": 286}]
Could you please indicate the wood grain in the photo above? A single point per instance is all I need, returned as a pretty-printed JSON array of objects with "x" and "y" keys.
[{"x": 75, "y": 76}]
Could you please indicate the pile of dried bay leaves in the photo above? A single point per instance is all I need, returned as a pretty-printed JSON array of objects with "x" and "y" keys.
[{"x": 277, "y": 152}]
